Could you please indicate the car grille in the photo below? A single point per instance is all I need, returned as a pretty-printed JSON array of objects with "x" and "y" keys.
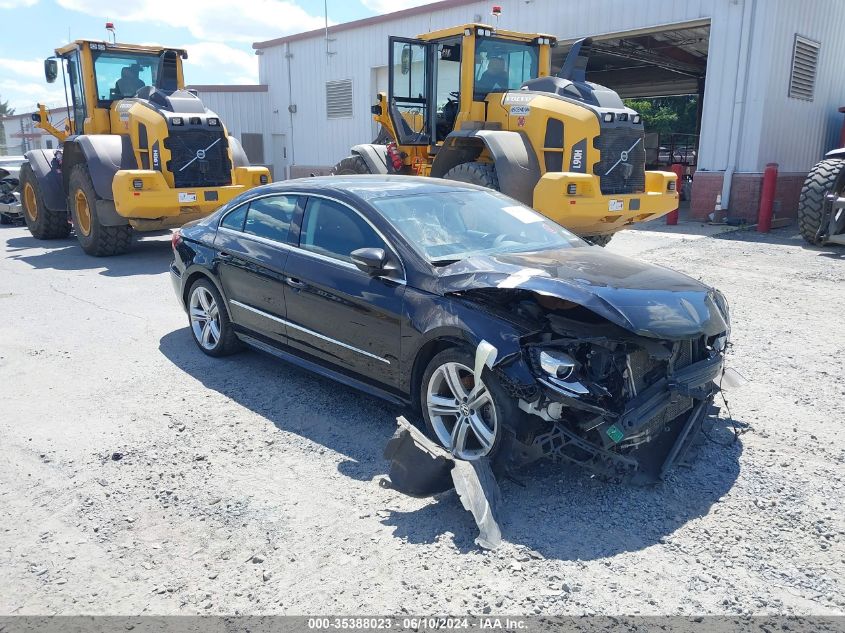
[
  {"x": 626, "y": 176},
  {"x": 198, "y": 158},
  {"x": 642, "y": 371}
]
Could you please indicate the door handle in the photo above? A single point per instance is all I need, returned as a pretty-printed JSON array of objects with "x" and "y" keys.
[
  {"x": 295, "y": 283},
  {"x": 224, "y": 256}
]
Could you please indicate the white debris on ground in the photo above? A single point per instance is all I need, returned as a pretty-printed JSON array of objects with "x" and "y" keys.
[{"x": 140, "y": 476}]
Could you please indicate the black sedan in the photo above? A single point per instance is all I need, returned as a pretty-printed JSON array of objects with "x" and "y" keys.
[{"x": 513, "y": 338}]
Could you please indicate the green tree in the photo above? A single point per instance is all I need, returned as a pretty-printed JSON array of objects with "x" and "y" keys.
[
  {"x": 668, "y": 115},
  {"x": 5, "y": 110}
]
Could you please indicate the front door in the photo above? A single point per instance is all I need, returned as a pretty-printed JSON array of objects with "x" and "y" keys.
[
  {"x": 411, "y": 90},
  {"x": 252, "y": 249},
  {"x": 336, "y": 312}
]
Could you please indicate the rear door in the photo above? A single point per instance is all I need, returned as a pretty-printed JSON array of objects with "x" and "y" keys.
[
  {"x": 336, "y": 312},
  {"x": 411, "y": 90},
  {"x": 252, "y": 247}
]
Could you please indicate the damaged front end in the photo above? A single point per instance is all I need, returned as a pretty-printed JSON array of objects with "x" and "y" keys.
[{"x": 623, "y": 404}]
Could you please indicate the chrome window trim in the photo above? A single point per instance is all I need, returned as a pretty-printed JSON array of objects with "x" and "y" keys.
[
  {"x": 384, "y": 239},
  {"x": 306, "y": 330},
  {"x": 320, "y": 256}
]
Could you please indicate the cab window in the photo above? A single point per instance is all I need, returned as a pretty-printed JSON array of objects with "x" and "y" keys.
[
  {"x": 120, "y": 75},
  {"x": 502, "y": 65},
  {"x": 335, "y": 230}
]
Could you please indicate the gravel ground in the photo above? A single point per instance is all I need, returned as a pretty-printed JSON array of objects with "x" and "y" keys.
[{"x": 139, "y": 476}]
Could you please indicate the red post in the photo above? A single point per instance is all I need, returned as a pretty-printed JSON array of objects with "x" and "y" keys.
[
  {"x": 767, "y": 198},
  {"x": 672, "y": 216}
]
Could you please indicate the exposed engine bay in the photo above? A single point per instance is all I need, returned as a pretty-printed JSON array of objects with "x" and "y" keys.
[{"x": 624, "y": 405}]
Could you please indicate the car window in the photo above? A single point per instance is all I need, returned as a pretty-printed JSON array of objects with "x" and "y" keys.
[
  {"x": 332, "y": 229},
  {"x": 270, "y": 217},
  {"x": 453, "y": 225},
  {"x": 235, "y": 219}
]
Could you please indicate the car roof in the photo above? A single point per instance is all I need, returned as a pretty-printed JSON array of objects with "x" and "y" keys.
[{"x": 368, "y": 187}]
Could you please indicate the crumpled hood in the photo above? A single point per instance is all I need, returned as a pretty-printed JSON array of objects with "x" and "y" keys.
[{"x": 645, "y": 299}]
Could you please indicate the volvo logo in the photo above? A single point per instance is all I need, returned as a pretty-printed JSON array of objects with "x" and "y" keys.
[
  {"x": 200, "y": 154},
  {"x": 624, "y": 157}
]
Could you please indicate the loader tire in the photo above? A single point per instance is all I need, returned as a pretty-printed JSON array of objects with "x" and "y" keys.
[
  {"x": 95, "y": 239},
  {"x": 351, "y": 165},
  {"x": 599, "y": 240},
  {"x": 826, "y": 176},
  {"x": 43, "y": 223},
  {"x": 482, "y": 174}
]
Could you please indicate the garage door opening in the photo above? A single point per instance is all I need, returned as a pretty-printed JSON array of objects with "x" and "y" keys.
[{"x": 660, "y": 73}]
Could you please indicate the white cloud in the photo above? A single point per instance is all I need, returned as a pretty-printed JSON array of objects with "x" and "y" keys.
[
  {"x": 23, "y": 96},
  {"x": 29, "y": 68},
  {"x": 234, "y": 65},
  {"x": 16, "y": 4},
  {"x": 389, "y": 6},
  {"x": 215, "y": 20}
]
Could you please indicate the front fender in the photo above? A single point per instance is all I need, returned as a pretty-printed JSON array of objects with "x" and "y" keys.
[
  {"x": 104, "y": 154},
  {"x": 516, "y": 162},
  {"x": 49, "y": 177}
]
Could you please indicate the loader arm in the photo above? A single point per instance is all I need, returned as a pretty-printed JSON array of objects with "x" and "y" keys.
[{"x": 42, "y": 120}]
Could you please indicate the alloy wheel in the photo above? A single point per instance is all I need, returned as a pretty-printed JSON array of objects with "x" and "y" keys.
[
  {"x": 205, "y": 318},
  {"x": 461, "y": 411}
]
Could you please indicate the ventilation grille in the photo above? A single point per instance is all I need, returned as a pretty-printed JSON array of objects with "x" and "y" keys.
[
  {"x": 805, "y": 59},
  {"x": 339, "y": 99}
]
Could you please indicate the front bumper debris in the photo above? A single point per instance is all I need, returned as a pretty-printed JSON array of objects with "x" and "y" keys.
[{"x": 420, "y": 468}]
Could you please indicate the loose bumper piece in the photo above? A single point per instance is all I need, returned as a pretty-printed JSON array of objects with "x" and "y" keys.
[{"x": 420, "y": 468}]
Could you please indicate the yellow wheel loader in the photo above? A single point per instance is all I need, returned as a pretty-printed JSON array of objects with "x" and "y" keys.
[
  {"x": 479, "y": 105},
  {"x": 138, "y": 153}
]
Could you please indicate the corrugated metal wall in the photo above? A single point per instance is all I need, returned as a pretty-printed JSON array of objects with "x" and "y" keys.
[
  {"x": 732, "y": 135},
  {"x": 242, "y": 112},
  {"x": 793, "y": 132}
]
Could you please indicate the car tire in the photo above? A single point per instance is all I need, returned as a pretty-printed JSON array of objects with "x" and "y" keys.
[
  {"x": 209, "y": 322},
  {"x": 826, "y": 176},
  {"x": 43, "y": 223},
  {"x": 95, "y": 239},
  {"x": 496, "y": 411}
]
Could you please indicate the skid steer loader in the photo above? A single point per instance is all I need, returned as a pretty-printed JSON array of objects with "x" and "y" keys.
[
  {"x": 138, "y": 153},
  {"x": 478, "y": 104}
]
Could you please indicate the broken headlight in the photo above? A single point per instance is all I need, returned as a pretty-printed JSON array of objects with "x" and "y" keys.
[
  {"x": 557, "y": 364},
  {"x": 559, "y": 369}
]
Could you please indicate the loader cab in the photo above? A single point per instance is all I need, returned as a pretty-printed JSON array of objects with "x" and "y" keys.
[
  {"x": 438, "y": 82},
  {"x": 99, "y": 74}
]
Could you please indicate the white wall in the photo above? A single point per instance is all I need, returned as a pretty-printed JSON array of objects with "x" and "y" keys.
[
  {"x": 793, "y": 132},
  {"x": 12, "y": 126},
  {"x": 243, "y": 111}
]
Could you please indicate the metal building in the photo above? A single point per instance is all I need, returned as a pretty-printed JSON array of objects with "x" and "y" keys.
[
  {"x": 769, "y": 74},
  {"x": 19, "y": 134}
]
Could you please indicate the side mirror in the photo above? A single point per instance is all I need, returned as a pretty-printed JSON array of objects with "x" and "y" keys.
[
  {"x": 372, "y": 261},
  {"x": 51, "y": 70}
]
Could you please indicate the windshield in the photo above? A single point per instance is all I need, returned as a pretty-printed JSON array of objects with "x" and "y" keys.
[
  {"x": 450, "y": 226},
  {"x": 502, "y": 65},
  {"x": 120, "y": 74}
]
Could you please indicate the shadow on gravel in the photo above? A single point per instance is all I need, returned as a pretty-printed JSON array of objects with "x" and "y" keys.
[
  {"x": 560, "y": 512},
  {"x": 149, "y": 256},
  {"x": 341, "y": 419},
  {"x": 786, "y": 236}
]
